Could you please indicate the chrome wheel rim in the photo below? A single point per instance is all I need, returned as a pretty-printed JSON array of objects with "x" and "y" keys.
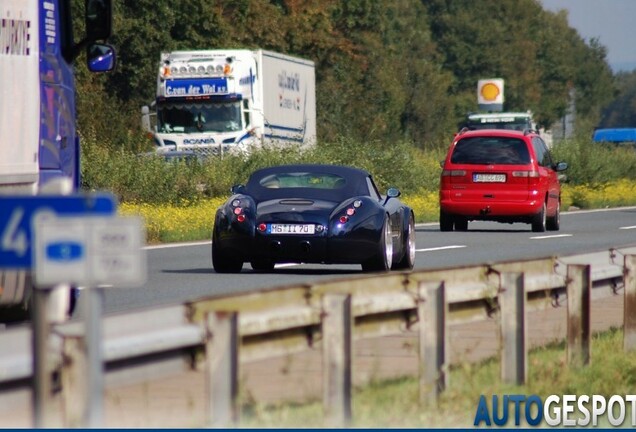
[{"x": 388, "y": 244}]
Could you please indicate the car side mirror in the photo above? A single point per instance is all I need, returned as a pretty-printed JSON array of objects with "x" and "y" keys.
[
  {"x": 560, "y": 166},
  {"x": 393, "y": 193},
  {"x": 237, "y": 189},
  {"x": 100, "y": 57}
]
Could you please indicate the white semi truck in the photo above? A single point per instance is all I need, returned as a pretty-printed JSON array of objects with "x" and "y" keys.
[{"x": 216, "y": 101}]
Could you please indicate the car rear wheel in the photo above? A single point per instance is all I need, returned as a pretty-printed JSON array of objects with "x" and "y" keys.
[
  {"x": 461, "y": 224},
  {"x": 445, "y": 221},
  {"x": 554, "y": 223},
  {"x": 223, "y": 262},
  {"x": 408, "y": 246},
  {"x": 539, "y": 220},
  {"x": 383, "y": 258},
  {"x": 262, "y": 265}
]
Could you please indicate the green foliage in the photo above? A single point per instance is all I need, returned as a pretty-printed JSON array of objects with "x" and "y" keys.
[
  {"x": 147, "y": 179},
  {"x": 140, "y": 178},
  {"x": 403, "y": 70},
  {"x": 621, "y": 112},
  {"x": 592, "y": 163}
]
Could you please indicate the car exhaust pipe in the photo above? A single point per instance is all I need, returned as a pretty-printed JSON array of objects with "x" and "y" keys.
[
  {"x": 305, "y": 246},
  {"x": 275, "y": 246}
]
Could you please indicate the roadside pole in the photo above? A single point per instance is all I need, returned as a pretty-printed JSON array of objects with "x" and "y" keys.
[{"x": 96, "y": 253}]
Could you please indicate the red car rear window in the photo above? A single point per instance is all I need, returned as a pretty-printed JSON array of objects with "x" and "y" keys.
[{"x": 491, "y": 151}]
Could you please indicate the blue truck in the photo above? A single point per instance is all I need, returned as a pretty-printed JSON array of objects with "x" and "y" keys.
[
  {"x": 618, "y": 136},
  {"x": 38, "y": 137}
]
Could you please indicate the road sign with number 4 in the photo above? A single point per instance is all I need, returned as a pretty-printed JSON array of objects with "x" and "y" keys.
[{"x": 16, "y": 214}]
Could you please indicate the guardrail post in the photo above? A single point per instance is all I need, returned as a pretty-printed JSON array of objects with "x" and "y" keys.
[
  {"x": 512, "y": 303},
  {"x": 579, "y": 288},
  {"x": 432, "y": 311},
  {"x": 629, "y": 305},
  {"x": 336, "y": 359},
  {"x": 83, "y": 366},
  {"x": 74, "y": 387},
  {"x": 43, "y": 400},
  {"x": 221, "y": 359}
]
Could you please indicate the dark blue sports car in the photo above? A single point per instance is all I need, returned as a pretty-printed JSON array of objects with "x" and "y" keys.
[{"x": 313, "y": 214}]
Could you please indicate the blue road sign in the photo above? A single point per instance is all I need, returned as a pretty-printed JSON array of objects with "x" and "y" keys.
[{"x": 16, "y": 214}]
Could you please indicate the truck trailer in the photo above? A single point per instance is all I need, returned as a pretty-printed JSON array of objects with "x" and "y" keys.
[
  {"x": 38, "y": 139},
  {"x": 217, "y": 101}
]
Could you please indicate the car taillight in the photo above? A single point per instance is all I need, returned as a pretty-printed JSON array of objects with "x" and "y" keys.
[
  {"x": 262, "y": 227},
  {"x": 532, "y": 176},
  {"x": 453, "y": 173},
  {"x": 240, "y": 216},
  {"x": 350, "y": 212}
]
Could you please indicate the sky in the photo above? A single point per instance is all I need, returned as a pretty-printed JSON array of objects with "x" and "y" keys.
[{"x": 613, "y": 22}]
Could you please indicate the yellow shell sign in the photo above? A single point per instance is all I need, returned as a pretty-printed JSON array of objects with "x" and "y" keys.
[{"x": 490, "y": 91}]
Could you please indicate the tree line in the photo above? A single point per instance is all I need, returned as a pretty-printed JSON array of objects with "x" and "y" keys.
[{"x": 385, "y": 70}]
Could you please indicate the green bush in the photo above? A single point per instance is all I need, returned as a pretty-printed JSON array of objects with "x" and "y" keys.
[
  {"x": 594, "y": 163},
  {"x": 146, "y": 179}
]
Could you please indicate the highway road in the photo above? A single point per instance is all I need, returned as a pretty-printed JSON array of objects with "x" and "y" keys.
[{"x": 177, "y": 273}]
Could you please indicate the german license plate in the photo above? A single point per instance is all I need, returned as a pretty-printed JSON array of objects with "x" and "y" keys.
[
  {"x": 489, "y": 178},
  {"x": 291, "y": 229}
]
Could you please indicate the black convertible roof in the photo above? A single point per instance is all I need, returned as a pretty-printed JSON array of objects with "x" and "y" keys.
[{"x": 356, "y": 183}]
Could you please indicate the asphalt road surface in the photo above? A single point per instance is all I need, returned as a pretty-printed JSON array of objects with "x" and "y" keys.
[{"x": 178, "y": 273}]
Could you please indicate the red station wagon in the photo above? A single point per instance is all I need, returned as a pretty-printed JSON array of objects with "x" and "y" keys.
[{"x": 500, "y": 175}]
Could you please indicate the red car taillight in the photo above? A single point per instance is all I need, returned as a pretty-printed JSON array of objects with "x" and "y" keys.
[
  {"x": 533, "y": 176},
  {"x": 453, "y": 173}
]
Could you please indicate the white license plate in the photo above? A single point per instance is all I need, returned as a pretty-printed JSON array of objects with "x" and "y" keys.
[
  {"x": 489, "y": 178},
  {"x": 291, "y": 229}
]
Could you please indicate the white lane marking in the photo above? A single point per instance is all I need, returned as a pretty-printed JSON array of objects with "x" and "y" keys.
[
  {"x": 440, "y": 248},
  {"x": 175, "y": 245},
  {"x": 550, "y": 236},
  {"x": 628, "y": 227},
  {"x": 286, "y": 265}
]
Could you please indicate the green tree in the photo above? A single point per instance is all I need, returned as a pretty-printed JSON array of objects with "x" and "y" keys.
[{"x": 621, "y": 112}]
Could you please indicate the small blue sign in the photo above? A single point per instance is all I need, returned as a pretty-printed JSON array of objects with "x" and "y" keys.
[
  {"x": 67, "y": 251},
  {"x": 16, "y": 214}
]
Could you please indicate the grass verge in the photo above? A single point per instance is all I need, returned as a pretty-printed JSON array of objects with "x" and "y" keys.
[{"x": 394, "y": 403}]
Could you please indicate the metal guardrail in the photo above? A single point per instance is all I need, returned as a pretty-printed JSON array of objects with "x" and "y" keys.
[{"x": 283, "y": 320}]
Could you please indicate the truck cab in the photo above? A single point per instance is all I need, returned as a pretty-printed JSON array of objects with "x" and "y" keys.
[
  {"x": 216, "y": 101},
  {"x": 519, "y": 121}
]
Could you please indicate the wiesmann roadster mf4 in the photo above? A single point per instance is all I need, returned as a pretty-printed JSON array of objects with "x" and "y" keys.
[{"x": 313, "y": 214}]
